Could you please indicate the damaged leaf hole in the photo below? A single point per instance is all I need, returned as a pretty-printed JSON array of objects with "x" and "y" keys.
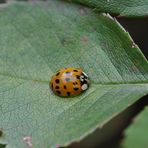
[{"x": 28, "y": 141}]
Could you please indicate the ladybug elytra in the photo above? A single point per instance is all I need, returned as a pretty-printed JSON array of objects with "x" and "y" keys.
[{"x": 69, "y": 82}]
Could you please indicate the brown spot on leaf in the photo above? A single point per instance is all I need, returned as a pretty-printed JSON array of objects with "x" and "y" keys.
[
  {"x": 28, "y": 141},
  {"x": 58, "y": 146},
  {"x": 83, "y": 11},
  {"x": 84, "y": 39}
]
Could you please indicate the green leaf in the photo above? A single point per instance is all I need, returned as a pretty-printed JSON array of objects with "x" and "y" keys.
[
  {"x": 2, "y": 146},
  {"x": 39, "y": 38},
  {"x": 137, "y": 133},
  {"x": 128, "y": 8}
]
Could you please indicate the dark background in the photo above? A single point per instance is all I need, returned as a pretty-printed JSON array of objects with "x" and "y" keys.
[{"x": 138, "y": 29}]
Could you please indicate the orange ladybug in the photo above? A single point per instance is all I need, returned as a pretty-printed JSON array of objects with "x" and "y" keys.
[{"x": 69, "y": 82}]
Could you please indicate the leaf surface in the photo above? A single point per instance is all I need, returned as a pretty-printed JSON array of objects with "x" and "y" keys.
[
  {"x": 128, "y": 8},
  {"x": 36, "y": 40}
]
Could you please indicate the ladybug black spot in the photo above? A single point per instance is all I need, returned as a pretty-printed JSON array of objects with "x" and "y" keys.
[
  {"x": 75, "y": 70},
  {"x": 68, "y": 93},
  {"x": 58, "y": 92},
  {"x": 75, "y": 83},
  {"x": 78, "y": 77},
  {"x": 57, "y": 87},
  {"x": 76, "y": 88},
  {"x": 57, "y": 81},
  {"x": 57, "y": 73},
  {"x": 65, "y": 87}
]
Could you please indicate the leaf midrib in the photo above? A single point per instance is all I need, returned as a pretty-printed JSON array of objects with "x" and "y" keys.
[{"x": 94, "y": 83}]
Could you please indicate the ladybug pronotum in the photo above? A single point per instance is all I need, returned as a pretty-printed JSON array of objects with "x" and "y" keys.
[{"x": 69, "y": 82}]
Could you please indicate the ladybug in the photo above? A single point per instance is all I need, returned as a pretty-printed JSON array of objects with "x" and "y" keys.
[{"x": 69, "y": 82}]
